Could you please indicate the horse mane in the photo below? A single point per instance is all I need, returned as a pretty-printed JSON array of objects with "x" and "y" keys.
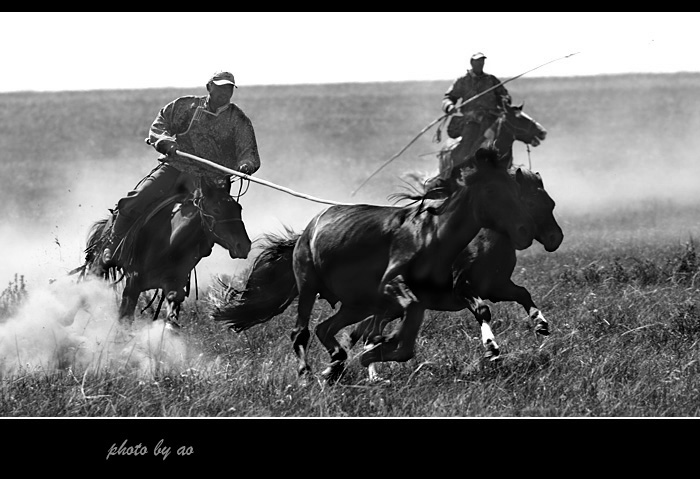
[
  {"x": 276, "y": 243},
  {"x": 434, "y": 193},
  {"x": 94, "y": 238},
  {"x": 484, "y": 156}
]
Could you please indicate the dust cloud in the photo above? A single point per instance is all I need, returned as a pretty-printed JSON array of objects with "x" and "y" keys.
[{"x": 71, "y": 325}]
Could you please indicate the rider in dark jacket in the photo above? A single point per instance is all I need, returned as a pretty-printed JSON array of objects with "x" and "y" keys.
[
  {"x": 210, "y": 127},
  {"x": 474, "y": 115}
]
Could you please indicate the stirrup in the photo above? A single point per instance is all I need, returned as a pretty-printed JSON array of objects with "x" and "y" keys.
[{"x": 108, "y": 256}]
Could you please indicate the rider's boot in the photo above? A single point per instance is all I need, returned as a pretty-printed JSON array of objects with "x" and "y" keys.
[{"x": 120, "y": 226}]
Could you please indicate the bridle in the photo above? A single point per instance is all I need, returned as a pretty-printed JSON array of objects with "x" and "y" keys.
[
  {"x": 503, "y": 120},
  {"x": 208, "y": 220}
]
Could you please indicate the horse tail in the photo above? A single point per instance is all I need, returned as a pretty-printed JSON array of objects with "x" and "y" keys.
[
  {"x": 93, "y": 249},
  {"x": 94, "y": 239},
  {"x": 270, "y": 286}
]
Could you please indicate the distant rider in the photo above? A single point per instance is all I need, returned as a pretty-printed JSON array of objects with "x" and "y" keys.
[
  {"x": 210, "y": 127},
  {"x": 477, "y": 115}
]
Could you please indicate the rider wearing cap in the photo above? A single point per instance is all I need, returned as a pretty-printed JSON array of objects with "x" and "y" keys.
[
  {"x": 475, "y": 113},
  {"x": 210, "y": 127}
]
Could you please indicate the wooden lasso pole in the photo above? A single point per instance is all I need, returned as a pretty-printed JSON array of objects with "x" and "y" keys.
[{"x": 258, "y": 180}]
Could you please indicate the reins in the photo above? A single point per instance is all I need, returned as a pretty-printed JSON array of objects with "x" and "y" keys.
[
  {"x": 208, "y": 220},
  {"x": 242, "y": 192}
]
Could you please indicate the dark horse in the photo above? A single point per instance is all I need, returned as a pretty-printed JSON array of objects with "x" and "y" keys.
[
  {"x": 378, "y": 260},
  {"x": 513, "y": 125},
  {"x": 509, "y": 125},
  {"x": 164, "y": 246},
  {"x": 483, "y": 271}
]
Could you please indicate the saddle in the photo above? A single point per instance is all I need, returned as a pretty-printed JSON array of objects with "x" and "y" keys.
[{"x": 125, "y": 253}]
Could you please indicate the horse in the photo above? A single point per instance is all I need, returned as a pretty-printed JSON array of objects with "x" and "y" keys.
[
  {"x": 483, "y": 271},
  {"x": 377, "y": 260},
  {"x": 514, "y": 124},
  {"x": 509, "y": 125},
  {"x": 165, "y": 245}
]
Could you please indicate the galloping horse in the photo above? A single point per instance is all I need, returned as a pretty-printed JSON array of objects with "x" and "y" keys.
[
  {"x": 378, "y": 260},
  {"x": 483, "y": 270},
  {"x": 164, "y": 247},
  {"x": 509, "y": 125}
]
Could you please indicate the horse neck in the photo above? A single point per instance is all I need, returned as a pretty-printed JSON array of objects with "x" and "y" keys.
[
  {"x": 504, "y": 143},
  {"x": 188, "y": 224}
]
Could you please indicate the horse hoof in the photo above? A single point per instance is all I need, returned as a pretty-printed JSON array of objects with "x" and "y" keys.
[
  {"x": 542, "y": 328},
  {"x": 492, "y": 351},
  {"x": 378, "y": 381},
  {"x": 333, "y": 372},
  {"x": 374, "y": 377},
  {"x": 492, "y": 355},
  {"x": 304, "y": 376}
]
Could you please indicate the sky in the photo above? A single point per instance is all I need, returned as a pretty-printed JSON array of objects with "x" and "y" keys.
[{"x": 57, "y": 51}]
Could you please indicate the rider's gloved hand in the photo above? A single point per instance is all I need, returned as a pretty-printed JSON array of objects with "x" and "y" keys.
[{"x": 166, "y": 147}]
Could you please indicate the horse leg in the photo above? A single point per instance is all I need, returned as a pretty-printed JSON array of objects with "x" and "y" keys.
[
  {"x": 326, "y": 331},
  {"x": 369, "y": 330},
  {"x": 397, "y": 297},
  {"x": 466, "y": 294},
  {"x": 400, "y": 345},
  {"x": 173, "y": 301},
  {"x": 300, "y": 334},
  {"x": 512, "y": 292},
  {"x": 482, "y": 314},
  {"x": 130, "y": 297},
  {"x": 373, "y": 337}
]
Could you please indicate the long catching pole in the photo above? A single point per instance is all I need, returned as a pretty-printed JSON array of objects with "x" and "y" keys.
[
  {"x": 258, "y": 180},
  {"x": 432, "y": 123}
]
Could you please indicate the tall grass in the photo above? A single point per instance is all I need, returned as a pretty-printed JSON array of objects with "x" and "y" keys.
[{"x": 625, "y": 342}]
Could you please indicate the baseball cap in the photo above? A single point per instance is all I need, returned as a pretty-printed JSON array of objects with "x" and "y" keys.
[
  {"x": 478, "y": 55},
  {"x": 223, "y": 78}
]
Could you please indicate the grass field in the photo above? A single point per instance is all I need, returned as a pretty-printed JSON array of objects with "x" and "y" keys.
[{"x": 621, "y": 293}]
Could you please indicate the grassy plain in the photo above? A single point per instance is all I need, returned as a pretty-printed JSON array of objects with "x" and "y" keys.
[{"x": 621, "y": 293}]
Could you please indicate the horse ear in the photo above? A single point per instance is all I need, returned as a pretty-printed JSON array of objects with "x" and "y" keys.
[{"x": 519, "y": 176}]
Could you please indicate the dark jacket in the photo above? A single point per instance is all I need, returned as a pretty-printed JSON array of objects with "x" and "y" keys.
[
  {"x": 472, "y": 84},
  {"x": 225, "y": 137}
]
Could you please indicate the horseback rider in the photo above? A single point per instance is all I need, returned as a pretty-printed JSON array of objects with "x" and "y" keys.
[
  {"x": 475, "y": 116},
  {"x": 208, "y": 126}
]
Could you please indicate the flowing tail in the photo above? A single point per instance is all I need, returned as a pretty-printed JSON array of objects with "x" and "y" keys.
[
  {"x": 270, "y": 287},
  {"x": 93, "y": 249}
]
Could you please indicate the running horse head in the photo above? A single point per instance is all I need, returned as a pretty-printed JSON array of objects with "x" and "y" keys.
[
  {"x": 221, "y": 218},
  {"x": 513, "y": 124}
]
